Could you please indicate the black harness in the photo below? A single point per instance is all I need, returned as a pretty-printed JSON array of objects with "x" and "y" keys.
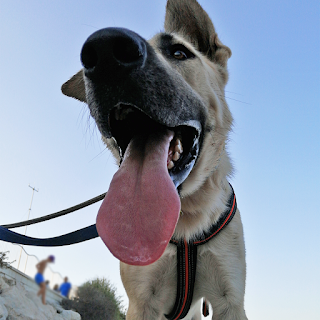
[{"x": 187, "y": 262}]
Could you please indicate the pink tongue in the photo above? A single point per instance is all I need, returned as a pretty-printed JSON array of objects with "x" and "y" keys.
[{"x": 140, "y": 211}]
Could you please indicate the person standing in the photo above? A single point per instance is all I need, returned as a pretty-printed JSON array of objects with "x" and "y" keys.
[
  {"x": 41, "y": 266},
  {"x": 56, "y": 288},
  {"x": 65, "y": 288}
]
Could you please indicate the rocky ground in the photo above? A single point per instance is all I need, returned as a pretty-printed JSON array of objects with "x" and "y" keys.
[{"x": 17, "y": 303}]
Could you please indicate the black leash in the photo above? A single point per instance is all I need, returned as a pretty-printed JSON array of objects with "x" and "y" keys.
[
  {"x": 56, "y": 214},
  {"x": 187, "y": 261},
  {"x": 63, "y": 240}
]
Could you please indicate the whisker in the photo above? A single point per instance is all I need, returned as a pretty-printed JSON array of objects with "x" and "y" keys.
[
  {"x": 221, "y": 96},
  {"x": 239, "y": 94},
  {"x": 99, "y": 154},
  {"x": 88, "y": 25},
  {"x": 250, "y": 104}
]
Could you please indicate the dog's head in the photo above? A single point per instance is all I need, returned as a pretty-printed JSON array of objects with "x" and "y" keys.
[{"x": 157, "y": 104}]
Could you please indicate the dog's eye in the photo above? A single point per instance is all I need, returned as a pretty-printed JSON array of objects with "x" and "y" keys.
[
  {"x": 180, "y": 52},
  {"x": 180, "y": 55}
]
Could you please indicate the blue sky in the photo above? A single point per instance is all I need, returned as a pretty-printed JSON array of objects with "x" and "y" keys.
[{"x": 48, "y": 140}]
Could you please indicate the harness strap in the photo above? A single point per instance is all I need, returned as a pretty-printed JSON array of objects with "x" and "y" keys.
[
  {"x": 186, "y": 270},
  {"x": 64, "y": 240},
  {"x": 187, "y": 262}
]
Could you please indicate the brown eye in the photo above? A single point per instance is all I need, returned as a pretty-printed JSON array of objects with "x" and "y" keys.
[
  {"x": 180, "y": 55},
  {"x": 179, "y": 52}
]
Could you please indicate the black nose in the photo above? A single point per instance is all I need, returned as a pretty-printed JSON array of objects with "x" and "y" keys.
[{"x": 112, "y": 50}]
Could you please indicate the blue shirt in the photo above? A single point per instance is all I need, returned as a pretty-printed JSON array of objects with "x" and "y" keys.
[{"x": 65, "y": 288}]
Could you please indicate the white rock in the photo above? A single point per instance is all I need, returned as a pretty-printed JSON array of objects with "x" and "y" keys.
[
  {"x": 3, "y": 312},
  {"x": 20, "y": 304},
  {"x": 3, "y": 284},
  {"x": 70, "y": 315}
]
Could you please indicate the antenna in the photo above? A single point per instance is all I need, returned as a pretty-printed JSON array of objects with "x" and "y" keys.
[{"x": 25, "y": 231}]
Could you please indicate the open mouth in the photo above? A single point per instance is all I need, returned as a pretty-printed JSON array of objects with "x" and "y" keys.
[{"x": 126, "y": 122}]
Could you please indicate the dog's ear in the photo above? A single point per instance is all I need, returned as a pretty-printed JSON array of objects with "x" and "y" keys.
[
  {"x": 186, "y": 17},
  {"x": 75, "y": 88}
]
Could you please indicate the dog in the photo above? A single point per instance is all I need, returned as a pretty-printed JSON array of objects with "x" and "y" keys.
[{"x": 161, "y": 109}]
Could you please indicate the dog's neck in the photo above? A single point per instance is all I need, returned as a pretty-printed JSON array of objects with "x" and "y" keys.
[{"x": 204, "y": 208}]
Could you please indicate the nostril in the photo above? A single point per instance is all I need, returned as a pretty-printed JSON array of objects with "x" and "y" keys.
[
  {"x": 89, "y": 56},
  {"x": 125, "y": 50}
]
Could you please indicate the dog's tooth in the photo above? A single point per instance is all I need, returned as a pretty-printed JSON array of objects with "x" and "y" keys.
[
  {"x": 176, "y": 156},
  {"x": 170, "y": 165},
  {"x": 178, "y": 148}
]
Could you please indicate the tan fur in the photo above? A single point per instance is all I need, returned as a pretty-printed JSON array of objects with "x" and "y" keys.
[{"x": 221, "y": 268}]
